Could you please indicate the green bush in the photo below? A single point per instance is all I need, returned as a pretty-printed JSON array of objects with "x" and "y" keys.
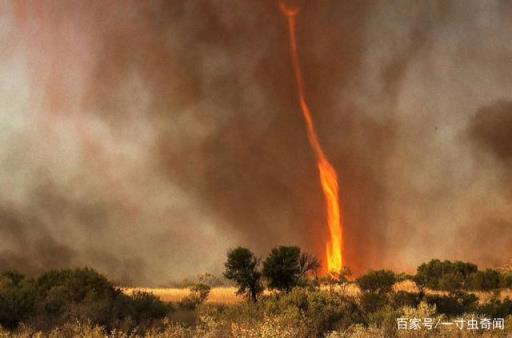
[
  {"x": 17, "y": 299},
  {"x": 380, "y": 281},
  {"x": 485, "y": 280},
  {"x": 403, "y": 298},
  {"x": 373, "y": 301},
  {"x": 506, "y": 280},
  {"x": 497, "y": 308},
  {"x": 322, "y": 311},
  {"x": 451, "y": 281},
  {"x": 237, "y": 313},
  {"x": 147, "y": 307},
  {"x": 385, "y": 319},
  {"x": 79, "y": 294},
  {"x": 452, "y": 276},
  {"x": 200, "y": 291},
  {"x": 455, "y": 304},
  {"x": 62, "y": 296},
  {"x": 444, "y": 275},
  {"x": 198, "y": 295}
]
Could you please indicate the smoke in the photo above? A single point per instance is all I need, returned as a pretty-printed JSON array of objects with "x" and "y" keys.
[
  {"x": 146, "y": 139},
  {"x": 491, "y": 129}
]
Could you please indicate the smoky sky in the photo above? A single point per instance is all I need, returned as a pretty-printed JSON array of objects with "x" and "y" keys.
[{"x": 145, "y": 139}]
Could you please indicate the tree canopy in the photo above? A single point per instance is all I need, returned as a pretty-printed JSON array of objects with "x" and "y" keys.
[{"x": 242, "y": 267}]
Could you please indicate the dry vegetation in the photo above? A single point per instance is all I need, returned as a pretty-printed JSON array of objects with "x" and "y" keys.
[
  {"x": 227, "y": 294},
  {"x": 218, "y": 295},
  {"x": 83, "y": 303}
]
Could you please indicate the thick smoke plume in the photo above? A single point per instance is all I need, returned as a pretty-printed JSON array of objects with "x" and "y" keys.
[{"x": 146, "y": 138}]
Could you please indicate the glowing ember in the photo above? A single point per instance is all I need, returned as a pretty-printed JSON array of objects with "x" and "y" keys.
[{"x": 328, "y": 178}]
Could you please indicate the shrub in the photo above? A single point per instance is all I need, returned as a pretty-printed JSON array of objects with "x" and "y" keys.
[
  {"x": 444, "y": 275},
  {"x": 17, "y": 299},
  {"x": 497, "y": 308},
  {"x": 373, "y": 301},
  {"x": 385, "y": 319},
  {"x": 198, "y": 295},
  {"x": 322, "y": 311},
  {"x": 210, "y": 280},
  {"x": 80, "y": 295},
  {"x": 456, "y": 303},
  {"x": 147, "y": 308},
  {"x": 200, "y": 291},
  {"x": 450, "y": 281},
  {"x": 485, "y": 280},
  {"x": 403, "y": 277},
  {"x": 380, "y": 281},
  {"x": 237, "y": 312},
  {"x": 308, "y": 264},
  {"x": 506, "y": 280},
  {"x": 403, "y": 298}
]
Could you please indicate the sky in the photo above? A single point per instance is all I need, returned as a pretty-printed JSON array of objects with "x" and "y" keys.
[{"x": 145, "y": 139}]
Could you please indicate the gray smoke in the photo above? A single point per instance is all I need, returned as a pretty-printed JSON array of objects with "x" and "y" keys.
[{"x": 145, "y": 139}]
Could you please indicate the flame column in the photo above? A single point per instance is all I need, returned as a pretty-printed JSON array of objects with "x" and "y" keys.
[{"x": 328, "y": 177}]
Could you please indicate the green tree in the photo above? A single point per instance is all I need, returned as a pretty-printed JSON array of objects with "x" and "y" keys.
[
  {"x": 282, "y": 268},
  {"x": 242, "y": 267}
]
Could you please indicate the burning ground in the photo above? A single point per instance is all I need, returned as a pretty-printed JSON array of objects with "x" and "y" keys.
[{"x": 146, "y": 139}]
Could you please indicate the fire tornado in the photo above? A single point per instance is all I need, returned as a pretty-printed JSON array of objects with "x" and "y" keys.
[{"x": 328, "y": 177}]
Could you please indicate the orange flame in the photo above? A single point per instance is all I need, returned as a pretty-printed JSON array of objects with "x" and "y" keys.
[{"x": 328, "y": 177}]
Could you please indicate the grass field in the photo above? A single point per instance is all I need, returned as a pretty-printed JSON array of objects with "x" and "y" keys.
[
  {"x": 218, "y": 295},
  {"x": 227, "y": 295}
]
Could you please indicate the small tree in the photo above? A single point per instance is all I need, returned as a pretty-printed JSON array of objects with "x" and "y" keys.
[
  {"x": 198, "y": 295},
  {"x": 282, "y": 268},
  {"x": 308, "y": 263},
  {"x": 242, "y": 268}
]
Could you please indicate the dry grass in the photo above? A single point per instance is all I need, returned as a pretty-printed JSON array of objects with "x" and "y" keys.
[
  {"x": 223, "y": 295},
  {"x": 227, "y": 295},
  {"x": 484, "y": 297},
  {"x": 218, "y": 295},
  {"x": 349, "y": 289},
  {"x": 406, "y": 285}
]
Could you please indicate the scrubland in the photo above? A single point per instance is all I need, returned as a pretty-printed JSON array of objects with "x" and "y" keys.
[{"x": 83, "y": 303}]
